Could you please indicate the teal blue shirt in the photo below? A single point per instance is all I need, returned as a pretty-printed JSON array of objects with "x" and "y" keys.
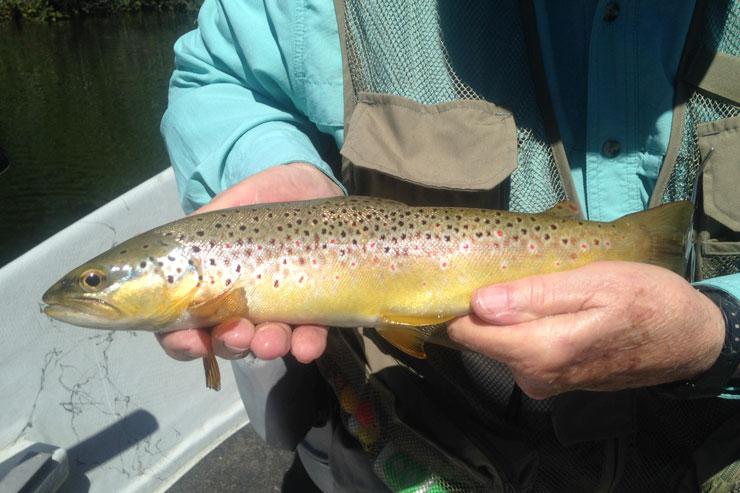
[{"x": 259, "y": 84}]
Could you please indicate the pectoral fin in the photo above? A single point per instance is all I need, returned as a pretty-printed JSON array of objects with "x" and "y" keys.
[
  {"x": 230, "y": 303},
  {"x": 213, "y": 374}
]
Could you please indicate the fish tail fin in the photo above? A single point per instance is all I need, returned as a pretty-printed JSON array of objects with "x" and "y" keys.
[{"x": 668, "y": 228}]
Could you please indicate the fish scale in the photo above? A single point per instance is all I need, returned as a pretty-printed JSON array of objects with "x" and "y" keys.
[{"x": 347, "y": 262}]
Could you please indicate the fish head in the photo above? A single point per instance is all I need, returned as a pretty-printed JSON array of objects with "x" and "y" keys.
[{"x": 144, "y": 283}]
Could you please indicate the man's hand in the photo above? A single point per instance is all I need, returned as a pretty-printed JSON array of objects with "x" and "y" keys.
[
  {"x": 605, "y": 326},
  {"x": 235, "y": 338}
]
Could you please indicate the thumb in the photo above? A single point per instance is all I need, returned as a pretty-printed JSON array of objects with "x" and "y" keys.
[{"x": 530, "y": 298}]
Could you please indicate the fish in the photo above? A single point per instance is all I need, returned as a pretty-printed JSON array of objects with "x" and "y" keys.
[{"x": 346, "y": 262}]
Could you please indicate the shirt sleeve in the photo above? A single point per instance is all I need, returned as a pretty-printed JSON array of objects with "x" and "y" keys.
[
  {"x": 730, "y": 284},
  {"x": 231, "y": 110}
]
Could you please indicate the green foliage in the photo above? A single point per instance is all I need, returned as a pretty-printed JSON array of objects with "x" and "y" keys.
[{"x": 54, "y": 10}]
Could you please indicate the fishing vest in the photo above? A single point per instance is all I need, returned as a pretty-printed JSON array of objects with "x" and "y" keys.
[{"x": 482, "y": 132}]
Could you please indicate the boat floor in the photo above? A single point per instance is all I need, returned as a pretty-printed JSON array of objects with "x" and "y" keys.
[{"x": 244, "y": 463}]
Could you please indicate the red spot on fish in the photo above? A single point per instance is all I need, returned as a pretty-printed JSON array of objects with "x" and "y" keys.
[
  {"x": 301, "y": 279},
  {"x": 259, "y": 276},
  {"x": 372, "y": 245},
  {"x": 353, "y": 264},
  {"x": 437, "y": 224},
  {"x": 444, "y": 264},
  {"x": 584, "y": 246},
  {"x": 331, "y": 241},
  {"x": 313, "y": 261},
  {"x": 259, "y": 247},
  {"x": 297, "y": 243},
  {"x": 336, "y": 277},
  {"x": 573, "y": 207},
  {"x": 531, "y": 246},
  {"x": 393, "y": 266},
  {"x": 557, "y": 264},
  {"x": 424, "y": 283},
  {"x": 499, "y": 233},
  {"x": 227, "y": 245},
  {"x": 466, "y": 246},
  {"x": 285, "y": 261},
  {"x": 607, "y": 243},
  {"x": 503, "y": 267},
  {"x": 416, "y": 247}
]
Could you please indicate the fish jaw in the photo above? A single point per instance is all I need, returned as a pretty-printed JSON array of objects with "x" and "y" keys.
[{"x": 82, "y": 311}]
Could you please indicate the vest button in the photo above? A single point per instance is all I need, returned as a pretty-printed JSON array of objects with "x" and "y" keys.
[
  {"x": 611, "y": 12},
  {"x": 611, "y": 148}
]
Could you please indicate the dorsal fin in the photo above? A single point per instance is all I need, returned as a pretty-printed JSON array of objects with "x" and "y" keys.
[{"x": 565, "y": 209}]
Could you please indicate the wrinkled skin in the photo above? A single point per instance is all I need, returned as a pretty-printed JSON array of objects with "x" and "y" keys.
[{"x": 605, "y": 326}]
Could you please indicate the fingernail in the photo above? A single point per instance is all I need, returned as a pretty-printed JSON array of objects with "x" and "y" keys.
[
  {"x": 237, "y": 352},
  {"x": 492, "y": 300}
]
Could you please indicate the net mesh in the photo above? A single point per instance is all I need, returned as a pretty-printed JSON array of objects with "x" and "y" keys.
[
  {"x": 701, "y": 108},
  {"x": 719, "y": 265},
  {"x": 434, "y": 51}
]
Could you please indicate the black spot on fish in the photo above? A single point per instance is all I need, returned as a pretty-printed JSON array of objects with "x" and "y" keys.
[
  {"x": 518, "y": 219},
  {"x": 122, "y": 252},
  {"x": 218, "y": 225},
  {"x": 565, "y": 241},
  {"x": 145, "y": 246},
  {"x": 196, "y": 249},
  {"x": 546, "y": 237},
  {"x": 170, "y": 279},
  {"x": 242, "y": 227},
  {"x": 277, "y": 283},
  {"x": 553, "y": 226},
  {"x": 212, "y": 261},
  {"x": 142, "y": 265},
  {"x": 227, "y": 282},
  {"x": 200, "y": 233},
  {"x": 537, "y": 228},
  {"x": 171, "y": 258},
  {"x": 239, "y": 268}
]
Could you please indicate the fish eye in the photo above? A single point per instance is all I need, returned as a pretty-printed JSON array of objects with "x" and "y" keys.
[{"x": 91, "y": 280}]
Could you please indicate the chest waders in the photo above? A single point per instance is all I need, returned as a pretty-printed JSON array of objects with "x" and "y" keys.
[{"x": 449, "y": 105}]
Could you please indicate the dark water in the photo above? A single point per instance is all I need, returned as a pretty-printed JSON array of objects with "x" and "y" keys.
[{"x": 80, "y": 104}]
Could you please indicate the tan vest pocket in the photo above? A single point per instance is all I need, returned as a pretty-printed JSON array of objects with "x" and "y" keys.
[
  {"x": 457, "y": 145},
  {"x": 721, "y": 179}
]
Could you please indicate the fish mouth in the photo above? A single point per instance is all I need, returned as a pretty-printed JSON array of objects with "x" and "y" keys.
[{"x": 85, "y": 312}]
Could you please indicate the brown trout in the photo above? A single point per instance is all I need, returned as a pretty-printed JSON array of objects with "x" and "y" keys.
[{"x": 345, "y": 262}]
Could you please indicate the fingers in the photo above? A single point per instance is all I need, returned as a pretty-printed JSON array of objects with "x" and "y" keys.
[
  {"x": 232, "y": 338},
  {"x": 185, "y": 345},
  {"x": 271, "y": 340},
  {"x": 532, "y": 298},
  {"x": 308, "y": 342}
]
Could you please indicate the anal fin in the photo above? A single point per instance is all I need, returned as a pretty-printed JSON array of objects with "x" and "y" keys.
[
  {"x": 409, "y": 332},
  {"x": 213, "y": 374}
]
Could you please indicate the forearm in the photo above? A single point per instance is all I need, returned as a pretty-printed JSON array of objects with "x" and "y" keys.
[{"x": 232, "y": 103}]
